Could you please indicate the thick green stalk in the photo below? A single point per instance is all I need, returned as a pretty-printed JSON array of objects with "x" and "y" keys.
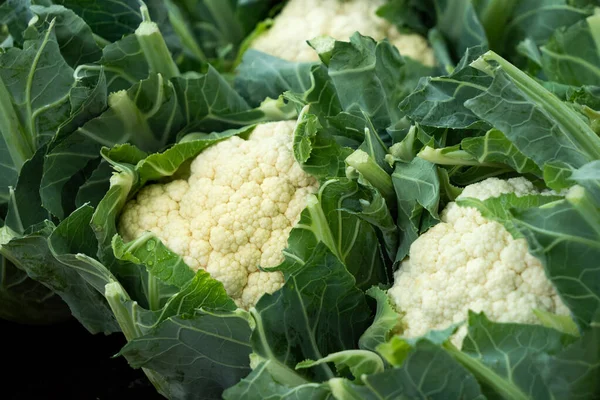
[
  {"x": 444, "y": 156},
  {"x": 135, "y": 122},
  {"x": 585, "y": 138},
  {"x": 374, "y": 174},
  {"x": 115, "y": 296},
  {"x": 155, "y": 50}
]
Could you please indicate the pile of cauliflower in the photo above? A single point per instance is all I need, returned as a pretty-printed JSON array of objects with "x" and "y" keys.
[
  {"x": 302, "y": 20},
  {"x": 467, "y": 262},
  {"x": 233, "y": 214}
]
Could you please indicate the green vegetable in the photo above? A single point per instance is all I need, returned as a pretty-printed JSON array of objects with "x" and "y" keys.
[{"x": 101, "y": 99}]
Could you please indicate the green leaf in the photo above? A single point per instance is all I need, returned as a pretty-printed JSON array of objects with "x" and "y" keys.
[
  {"x": 147, "y": 115},
  {"x": 160, "y": 261},
  {"x": 347, "y": 235},
  {"x": 568, "y": 246},
  {"x": 15, "y": 14},
  {"x": 34, "y": 253},
  {"x": 372, "y": 78},
  {"x": 220, "y": 361},
  {"x": 74, "y": 36},
  {"x": 428, "y": 372},
  {"x": 358, "y": 362},
  {"x": 317, "y": 312},
  {"x": 439, "y": 101},
  {"x": 541, "y": 126},
  {"x": 95, "y": 186},
  {"x": 465, "y": 34},
  {"x": 261, "y": 75},
  {"x": 417, "y": 188},
  {"x": 34, "y": 90},
  {"x": 571, "y": 56},
  {"x": 315, "y": 148},
  {"x": 495, "y": 148},
  {"x": 588, "y": 177},
  {"x": 123, "y": 62},
  {"x": 25, "y": 206},
  {"x": 510, "y": 360},
  {"x": 264, "y": 382},
  {"x": 386, "y": 320},
  {"x": 499, "y": 208}
]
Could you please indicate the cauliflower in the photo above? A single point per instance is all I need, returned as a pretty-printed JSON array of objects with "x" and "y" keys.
[
  {"x": 234, "y": 212},
  {"x": 302, "y": 20},
  {"x": 468, "y": 262}
]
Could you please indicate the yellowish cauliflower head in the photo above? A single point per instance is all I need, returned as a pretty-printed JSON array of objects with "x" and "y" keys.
[
  {"x": 233, "y": 214},
  {"x": 302, "y": 20},
  {"x": 467, "y": 262}
]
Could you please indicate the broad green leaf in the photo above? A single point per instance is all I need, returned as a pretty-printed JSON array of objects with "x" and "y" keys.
[
  {"x": 572, "y": 56},
  {"x": 123, "y": 62},
  {"x": 315, "y": 148},
  {"x": 465, "y": 34},
  {"x": 371, "y": 78},
  {"x": 347, "y": 235},
  {"x": 539, "y": 124},
  {"x": 146, "y": 115},
  {"x": 439, "y": 101},
  {"x": 32, "y": 254},
  {"x": 428, "y": 372},
  {"x": 568, "y": 246},
  {"x": 34, "y": 90},
  {"x": 149, "y": 251},
  {"x": 265, "y": 381},
  {"x": 210, "y": 104},
  {"x": 495, "y": 148},
  {"x": 588, "y": 176},
  {"x": 75, "y": 38},
  {"x": 25, "y": 206},
  {"x": 96, "y": 186},
  {"x": 211, "y": 352},
  {"x": 511, "y": 360},
  {"x": 317, "y": 312},
  {"x": 261, "y": 75},
  {"x": 417, "y": 188}
]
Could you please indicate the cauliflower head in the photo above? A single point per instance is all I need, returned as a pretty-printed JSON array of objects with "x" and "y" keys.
[
  {"x": 302, "y": 20},
  {"x": 234, "y": 212},
  {"x": 467, "y": 262}
]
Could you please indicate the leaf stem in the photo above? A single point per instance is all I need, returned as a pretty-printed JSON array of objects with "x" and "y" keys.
[
  {"x": 155, "y": 50},
  {"x": 374, "y": 174}
]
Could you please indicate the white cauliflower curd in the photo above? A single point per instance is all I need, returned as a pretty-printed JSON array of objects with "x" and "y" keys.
[
  {"x": 467, "y": 262},
  {"x": 302, "y": 20},
  {"x": 234, "y": 212}
]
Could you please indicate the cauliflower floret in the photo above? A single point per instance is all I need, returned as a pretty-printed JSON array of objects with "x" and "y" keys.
[
  {"x": 233, "y": 214},
  {"x": 302, "y": 20},
  {"x": 467, "y": 262}
]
